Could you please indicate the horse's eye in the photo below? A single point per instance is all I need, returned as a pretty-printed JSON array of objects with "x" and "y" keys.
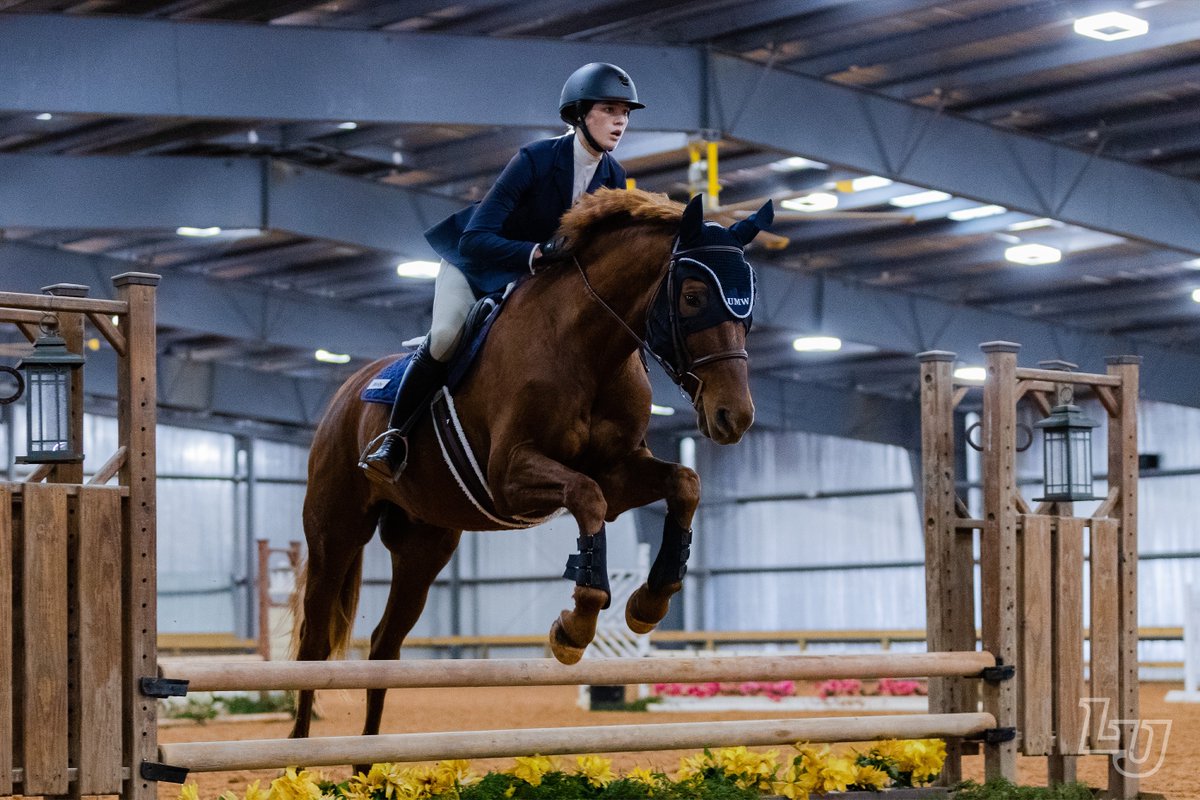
[{"x": 692, "y": 299}]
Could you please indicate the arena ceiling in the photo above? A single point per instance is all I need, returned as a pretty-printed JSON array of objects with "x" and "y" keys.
[{"x": 322, "y": 138}]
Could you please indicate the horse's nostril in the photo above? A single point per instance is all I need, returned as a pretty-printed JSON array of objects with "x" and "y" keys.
[{"x": 723, "y": 418}]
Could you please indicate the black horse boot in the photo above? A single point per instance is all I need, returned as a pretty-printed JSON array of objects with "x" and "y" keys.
[{"x": 423, "y": 376}]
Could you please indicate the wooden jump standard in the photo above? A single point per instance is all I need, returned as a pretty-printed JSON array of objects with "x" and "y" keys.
[
  {"x": 279, "y": 675},
  {"x": 334, "y": 750}
]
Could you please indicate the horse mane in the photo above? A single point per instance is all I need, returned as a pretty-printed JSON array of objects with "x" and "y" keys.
[{"x": 607, "y": 208}]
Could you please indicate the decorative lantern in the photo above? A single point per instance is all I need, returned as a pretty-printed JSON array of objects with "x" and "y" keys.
[
  {"x": 1067, "y": 451},
  {"x": 50, "y": 373}
]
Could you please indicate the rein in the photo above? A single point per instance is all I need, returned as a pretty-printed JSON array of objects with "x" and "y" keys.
[{"x": 677, "y": 376}]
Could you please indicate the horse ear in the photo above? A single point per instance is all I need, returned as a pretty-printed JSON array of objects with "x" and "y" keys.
[
  {"x": 693, "y": 219},
  {"x": 760, "y": 220}
]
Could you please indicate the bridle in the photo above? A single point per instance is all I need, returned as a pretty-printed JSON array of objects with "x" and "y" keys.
[{"x": 680, "y": 364}]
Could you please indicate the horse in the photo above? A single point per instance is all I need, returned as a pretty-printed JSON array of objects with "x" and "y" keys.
[{"x": 555, "y": 408}]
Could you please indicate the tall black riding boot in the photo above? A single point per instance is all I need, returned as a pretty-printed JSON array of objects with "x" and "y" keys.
[{"x": 423, "y": 376}]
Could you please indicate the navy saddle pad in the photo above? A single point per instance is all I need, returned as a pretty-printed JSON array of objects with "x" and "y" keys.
[{"x": 382, "y": 388}]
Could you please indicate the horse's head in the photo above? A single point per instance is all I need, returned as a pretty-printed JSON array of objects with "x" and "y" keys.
[{"x": 699, "y": 319}]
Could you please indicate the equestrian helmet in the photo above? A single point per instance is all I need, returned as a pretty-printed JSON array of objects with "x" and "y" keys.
[{"x": 592, "y": 83}]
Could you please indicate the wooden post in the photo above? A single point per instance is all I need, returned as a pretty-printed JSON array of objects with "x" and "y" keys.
[
  {"x": 70, "y": 327},
  {"x": 949, "y": 561},
  {"x": 1123, "y": 472},
  {"x": 137, "y": 396},
  {"x": 998, "y": 545},
  {"x": 264, "y": 599}
]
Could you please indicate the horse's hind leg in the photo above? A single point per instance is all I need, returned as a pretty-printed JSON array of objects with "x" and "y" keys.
[
  {"x": 419, "y": 551},
  {"x": 639, "y": 480},
  {"x": 533, "y": 480},
  {"x": 332, "y": 576}
]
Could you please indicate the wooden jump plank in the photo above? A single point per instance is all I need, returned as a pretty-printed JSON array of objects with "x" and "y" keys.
[
  {"x": 99, "y": 603},
  {"x": 44, "y": 667},
  {"x": 6, "y": 641},
  {"x": 1058, "y": 376},
  {"x": 335, "y": 750},
  {"x": 1036, "y": 601},
  {"x": 1068, "y": 636},
  {"x": 38, "y": 302},
  {"x": 273, "y": 675}
]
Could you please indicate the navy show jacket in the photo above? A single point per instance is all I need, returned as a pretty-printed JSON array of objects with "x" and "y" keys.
[{"x": 491, "y": 240}]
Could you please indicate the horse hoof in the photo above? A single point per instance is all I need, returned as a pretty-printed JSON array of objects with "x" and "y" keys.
[
  {"x": 564, "y": 650},
  {"x": 644, "y": 610}
]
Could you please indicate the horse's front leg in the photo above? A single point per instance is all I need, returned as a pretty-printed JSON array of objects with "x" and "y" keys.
[
  {"x": 637, "y": 481},
  {"x": 530, "y": 482}
]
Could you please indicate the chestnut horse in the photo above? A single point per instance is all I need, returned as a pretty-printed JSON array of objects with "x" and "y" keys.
[{"x": 555, "y": 408}]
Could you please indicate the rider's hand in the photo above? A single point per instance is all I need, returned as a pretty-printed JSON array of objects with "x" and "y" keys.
[{"x": 548, "y": 253}]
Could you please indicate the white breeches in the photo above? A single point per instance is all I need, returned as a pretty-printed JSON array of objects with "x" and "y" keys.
[{"x": 452, "y": 300}]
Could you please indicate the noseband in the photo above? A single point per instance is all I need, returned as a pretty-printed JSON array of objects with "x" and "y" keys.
[{"x": 680, "y": 363}]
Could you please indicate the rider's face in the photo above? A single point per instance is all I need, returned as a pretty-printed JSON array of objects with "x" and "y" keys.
[{"x": 607, "y": 121}]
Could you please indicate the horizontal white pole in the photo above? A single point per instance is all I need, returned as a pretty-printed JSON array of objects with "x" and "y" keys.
[
  {"x": 402, "y": 747},
  {"x": 210, "y": 676}
]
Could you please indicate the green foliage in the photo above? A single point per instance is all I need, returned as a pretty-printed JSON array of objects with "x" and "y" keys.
[
  {"x": 561, "y": 786},
  {"x": 199, "y": 710},
  {"x": 257, "y": 703},
  {"x": 1000, "y": 789}
]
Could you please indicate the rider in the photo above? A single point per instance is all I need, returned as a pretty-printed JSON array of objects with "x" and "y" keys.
[{"x": 487, "y": 246}]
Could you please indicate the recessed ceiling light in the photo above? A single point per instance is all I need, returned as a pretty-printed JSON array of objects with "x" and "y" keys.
[
  {"x": 1030, "y": 224},
  {"x": 1196, "y": 295},
  {"x": 44, "y": 117},
  {"x": 1033, "y": 253},
  {"x": 919, "y": 198},
  {"x": 1193, "y": 264},
  {"x": 418, "y": 269},
  {"x": 331, "y": 358},
  {"x": 817, "y": 201},
  {"x": 863, "y": 184},
  {"x": 347, "y": 126},
  {"x": 1110, "y": 26},
  {"x": 971, "y": 374},
  {"x": 976, "y": 212},
  {"x": 817, "y": 344},
  {"x": 661, "y": 411},
  {"x": 187, "y": 230},
  {"x": 793, "y": 163}
]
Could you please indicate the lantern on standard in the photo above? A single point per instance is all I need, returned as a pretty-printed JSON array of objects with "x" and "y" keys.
[
  {"x": 50, "y": 373},
  {"x": 1067, "y": 450}
]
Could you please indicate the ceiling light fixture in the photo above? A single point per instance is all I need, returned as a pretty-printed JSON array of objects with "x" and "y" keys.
[
  {"x": 425, "y": 270},
  {"x": 863, "y": 184},
  {"x": 187, "y": 230},
  {"x": 976, "y": 212},
  {"x": 661, "y": 411},
  {"x": 817, "y": 201},
  {"x": 347, "y": 126},
  {"x": 919, "y": 198},
  {"x": 44, "y": 117},
  {"x": 327, "y": 357},
  {"x": 1030, "y": 224},
  {"x": 1196, "y": 295},
  {"x": 1193, "y": 264},
  {"x": 817, "y": 344},
  {"x": 1033, "y": 254},
  {"x": 793, "y": 163},
  {"x": 1111, "y": 26},
  {"x": 971, "y": 374}
]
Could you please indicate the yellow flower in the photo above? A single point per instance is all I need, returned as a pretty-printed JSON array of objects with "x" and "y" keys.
[
  {"x": 872, "y": 777},
  {"x": 839, "y": 772},
  {"x": 293, "y": 785},
  {"x": 597, "y": 770},
  {"x": 925, "y": 758},
  {"x": 189, "y": 791},
  {"x": 795, "y": 783},
  {"x": 510, "y": 791},
  {"x": 749, "y": 769},
  {"x": 454, "y": 772},
  {"x": 255, "y": 792},
  {"x": 692, "y": 766},
  {"x": 531, "y": 769},
  {"x": 641, "y": 775}
]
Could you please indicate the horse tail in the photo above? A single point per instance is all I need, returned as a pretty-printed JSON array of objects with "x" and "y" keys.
[{"x": 341, "y": 620}]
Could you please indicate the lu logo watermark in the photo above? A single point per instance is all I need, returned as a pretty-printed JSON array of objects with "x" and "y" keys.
[{"x": 1144, "y": 741}]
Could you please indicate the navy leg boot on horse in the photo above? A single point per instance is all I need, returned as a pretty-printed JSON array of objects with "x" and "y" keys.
[
  {"x": 574, "y": 630},
  {"x": 423, "y": 376},
  {"x": 649, "y": 603}
]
